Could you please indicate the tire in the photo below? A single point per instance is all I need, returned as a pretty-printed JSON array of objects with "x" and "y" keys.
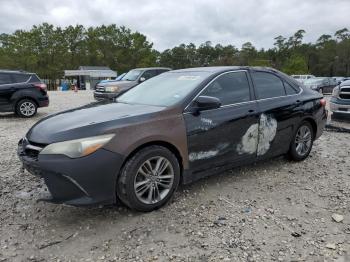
[
  {"x": 305, "y": 135},
  {"x": 26, "y": 108},
  {"x": 140, "y": 172}
]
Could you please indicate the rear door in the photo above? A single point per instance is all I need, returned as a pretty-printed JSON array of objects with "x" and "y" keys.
[
  {"x": 6, "y": 90},
  {"x": 223, "y": 136},
  {"x": 280, "y": 112}
]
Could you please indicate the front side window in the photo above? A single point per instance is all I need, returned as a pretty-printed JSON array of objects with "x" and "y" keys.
[
  {"x": 230, "y": 88},
  {"x": 267, "y": 85},
  {"x": 149, "y": 74},
  {"x": 5, "y": 79}
]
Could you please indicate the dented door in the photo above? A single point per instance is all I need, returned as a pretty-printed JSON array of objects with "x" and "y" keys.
[{"x": 216, "y": 137}]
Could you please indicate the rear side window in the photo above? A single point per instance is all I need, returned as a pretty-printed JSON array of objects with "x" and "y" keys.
[
  {"x": 34, "y": 79},
  {"x": 5, "y": 79},
  {"x": 20, "y": 78},
  {"x": 267, "y": 85},
  {"x": 160, "y": 71},
  {"x": 230, "y": 88},
  {"x": 290, "y": 90}
]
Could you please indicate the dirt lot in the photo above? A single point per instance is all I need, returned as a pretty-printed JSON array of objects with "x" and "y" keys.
[{"x": 276, "y": 210}]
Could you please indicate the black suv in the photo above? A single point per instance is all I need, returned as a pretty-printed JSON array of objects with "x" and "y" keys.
[{"x": 22, "y": 93}]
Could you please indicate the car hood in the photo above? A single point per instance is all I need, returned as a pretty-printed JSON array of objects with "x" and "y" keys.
[{"x": 90, "y": 120}]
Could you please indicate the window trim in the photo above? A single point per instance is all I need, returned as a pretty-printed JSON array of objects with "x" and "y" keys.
[
  {"x": 211, "y": 81},
  {"x": 251, "y": 85}
]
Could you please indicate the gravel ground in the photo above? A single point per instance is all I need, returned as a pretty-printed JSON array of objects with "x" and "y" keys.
[{"x": 271, "y": 211}]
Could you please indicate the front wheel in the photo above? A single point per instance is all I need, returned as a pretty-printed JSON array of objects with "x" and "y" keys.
[
  {"x": 149, "y": 179},
  {"x": 26, "y": 108},
  {"x": 302, "y": 142}
]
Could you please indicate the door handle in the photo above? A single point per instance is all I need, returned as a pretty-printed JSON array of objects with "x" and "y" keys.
[
  {"x": 251, "y": 111},
  {"x": 298, "y": 102}
]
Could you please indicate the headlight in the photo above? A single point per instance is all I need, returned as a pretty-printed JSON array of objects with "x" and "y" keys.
[
  {"x": 77, "y": 148},
  {"x": 112, "y": 89},
  {"x": 335, "y": 92},
  {"x": 314, "y": 87}
]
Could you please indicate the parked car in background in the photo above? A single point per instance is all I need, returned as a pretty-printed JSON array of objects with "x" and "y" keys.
[
  {"x": 321, "y": 84},
  {"x": 22, "y": 93},
  {"x": 338, "y": 79},
  {"x": 177, "y": 127},
  {"x": 340, "y": 100},
  {"x": 112, "y": 89},
  {"x": 118, "y": 78},
  {"x": 302, "y": 78}
]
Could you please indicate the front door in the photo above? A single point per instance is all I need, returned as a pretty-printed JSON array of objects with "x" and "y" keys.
[{"x": 226, "y": 135}]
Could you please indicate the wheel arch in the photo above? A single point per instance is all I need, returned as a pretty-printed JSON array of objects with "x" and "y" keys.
[
  {"x": 162, "y": 143},
  {"x": 313, "y": 124},
  {"x": 25, "y": 97}
]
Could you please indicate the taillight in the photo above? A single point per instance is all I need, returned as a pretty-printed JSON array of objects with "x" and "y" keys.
[
  {"x": 323, "y": 102},
  {"x": 41, "y": 86}
]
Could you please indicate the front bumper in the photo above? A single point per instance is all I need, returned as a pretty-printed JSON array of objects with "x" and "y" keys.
[
  {"x": 99, "y": 96},
  {"x": 339, "y": 106},
  {"x": 84, "y": 181}
]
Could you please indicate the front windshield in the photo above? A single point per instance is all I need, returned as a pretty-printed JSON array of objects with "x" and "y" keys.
[
  {"x": 164, "y": 90},
  {"x": 132, "y": 75}
]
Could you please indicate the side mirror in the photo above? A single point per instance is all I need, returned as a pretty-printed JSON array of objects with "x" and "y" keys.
[
  {"x": 205, "y": 103},
  {"x": 142, "y": 79}
]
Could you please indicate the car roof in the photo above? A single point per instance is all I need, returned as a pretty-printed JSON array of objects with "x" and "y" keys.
[
  {"x": 150, "y": 68},
  {"x": 218, "y": 69},
  {"x": 14, "y": 71}
]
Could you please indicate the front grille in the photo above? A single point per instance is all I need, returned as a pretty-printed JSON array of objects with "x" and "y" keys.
[
  {"x": 100, "y": 89},
  {"x": 344, "y": 93},
  {"x": 345, "y": 89}
]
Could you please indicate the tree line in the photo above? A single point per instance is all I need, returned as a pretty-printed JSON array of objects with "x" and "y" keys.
[{"x": 48, "y": 50}]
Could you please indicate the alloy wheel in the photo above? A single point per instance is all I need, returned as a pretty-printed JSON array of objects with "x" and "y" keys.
[
  {"x": 303, "y": 140},
  {"x": 27, "y": 108},
  {"x": 154, "y": 180}
]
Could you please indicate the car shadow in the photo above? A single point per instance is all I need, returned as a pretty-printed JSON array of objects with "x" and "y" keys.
[{"x": 113, "y": 213}]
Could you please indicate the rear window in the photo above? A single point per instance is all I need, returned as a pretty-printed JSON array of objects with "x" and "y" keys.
[
  {"x": 20, "y": 78},
  {"x": 34, "y": 79}
]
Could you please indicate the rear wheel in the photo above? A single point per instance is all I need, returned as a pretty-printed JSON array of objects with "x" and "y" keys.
[
  {"x": 302, "y": 142},
  {"x": 149, "y": 179},
  {"x": 26, "y": 108}
]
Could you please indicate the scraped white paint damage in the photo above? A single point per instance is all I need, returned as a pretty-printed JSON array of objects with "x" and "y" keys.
[
  {"x": 249, "y": 141},
  {"x": 258, "y": 137},
  {"x": 205, "y": 124},
  {"x": 207, "y": 154}
]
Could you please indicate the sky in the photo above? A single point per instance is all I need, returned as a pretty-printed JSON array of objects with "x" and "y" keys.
[{"x": 169, "y": 23}]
